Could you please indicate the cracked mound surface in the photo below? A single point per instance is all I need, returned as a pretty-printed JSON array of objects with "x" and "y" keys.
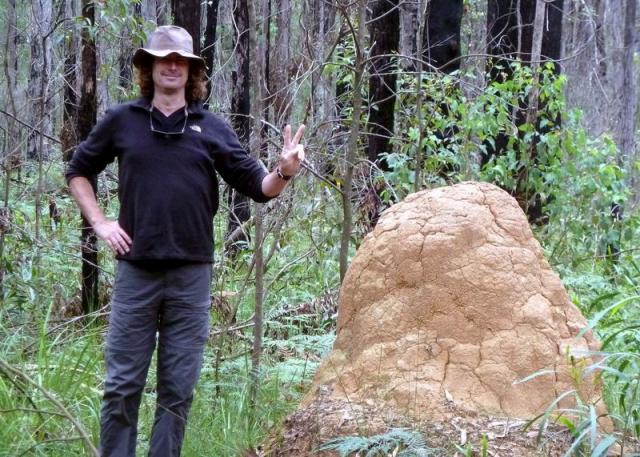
[{"x": 450, "y": 301}]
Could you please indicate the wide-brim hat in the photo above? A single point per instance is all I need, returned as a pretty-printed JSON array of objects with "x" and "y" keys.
[{"x": 165, "y": 40}]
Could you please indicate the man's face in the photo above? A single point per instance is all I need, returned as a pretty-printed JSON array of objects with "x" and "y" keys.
[{"x": 170, "y": 73}]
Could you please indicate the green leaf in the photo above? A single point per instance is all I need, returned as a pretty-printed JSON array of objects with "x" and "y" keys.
[{"x": 603, "y": 446}]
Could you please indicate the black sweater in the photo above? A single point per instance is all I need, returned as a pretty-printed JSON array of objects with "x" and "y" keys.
[{"x": 168, "y": 188}]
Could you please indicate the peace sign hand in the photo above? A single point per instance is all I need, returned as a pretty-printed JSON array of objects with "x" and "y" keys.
[{"x": 292, "y": 154}]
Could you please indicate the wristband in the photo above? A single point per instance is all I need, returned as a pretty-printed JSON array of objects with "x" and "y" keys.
[{"x": 282, "y": 176}]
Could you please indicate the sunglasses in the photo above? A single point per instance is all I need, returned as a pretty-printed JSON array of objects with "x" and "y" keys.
[{"x": 162, "y": 132}]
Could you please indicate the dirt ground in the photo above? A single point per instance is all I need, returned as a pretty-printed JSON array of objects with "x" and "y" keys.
[{"x": 320, "y": 421}]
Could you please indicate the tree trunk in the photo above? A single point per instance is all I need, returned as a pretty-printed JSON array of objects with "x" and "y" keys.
[
  {"x": 343, "y": 89},
  {"x": 39, "y": 104},
  {"x": 384, "y": 29},
  {"x": 127, "y": 48},
  {"x": 264, "y": 46},
  {"x": 87, "y": 113},
  {"x": 629, "y": 99},
  {"x": 521, "y": 30},
  {"x": 209, "y": 50},
  {"x": 11, "y": 157},
  {"x": 148, "y": 9},
  {"x": 441, "y": 36},
  {"x": 409, "y": 23},
  {"x": 161, "y": 15},
  {"x": 439, "y": 51},
  {"x": 510, "y": 31},
  {"x": 241, "y": 102},
  {"x": 536, "y": 54},
  {"x": 187, "y": 14},
  {"x": 320, "y": 18},
  {"x": 240, "y": 118},
  {"x": 352, "y": 149},
  {"x": 422, "y": 12},
  {"x": 279, "y": 66},
  {"x": 40, "y": 70},
  {"x": 68, "y": 135},
  {"x": 258, "y": 69}
]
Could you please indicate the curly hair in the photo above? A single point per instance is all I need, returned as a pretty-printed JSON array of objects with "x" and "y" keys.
[{"x": 196, "y": 89}]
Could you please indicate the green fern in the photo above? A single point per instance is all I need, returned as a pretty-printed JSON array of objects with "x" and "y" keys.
[{"x": 400, "y": 441}]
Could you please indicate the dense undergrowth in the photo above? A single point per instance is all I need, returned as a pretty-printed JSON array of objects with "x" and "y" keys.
[{"x": 51, "y": 363}]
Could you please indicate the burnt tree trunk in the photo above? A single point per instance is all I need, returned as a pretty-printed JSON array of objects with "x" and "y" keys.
[
  {"x": 384, "y": 28},
  {"x": 209, "y": 50},
  {"x": 240, "y": 211},
  {"x": 438, "y": 52},
  {"x": 87, "y": 113},
  {"x": 187, "y": 14},
  {"x": 441, "y": 35},
  {"x": 510, "y": 31}
]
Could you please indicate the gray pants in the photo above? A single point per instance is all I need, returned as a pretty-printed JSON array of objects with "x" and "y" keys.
[{"x": 174, "y": 304}]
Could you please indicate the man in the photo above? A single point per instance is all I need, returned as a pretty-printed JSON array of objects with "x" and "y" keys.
[{"x": 168, "y": 150}]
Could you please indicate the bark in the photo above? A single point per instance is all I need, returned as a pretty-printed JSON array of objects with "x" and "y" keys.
[
  {"x": 209, "y": 50},
  {"x": 629, "y": 100},
  {"x": 256, "y": 113},
  {"x": 279, "y": 66},
  {"x": 162, "y": 12},
  {"x": 10, "y": 157},
  {"x": 422, "y": 13},
  {"x": 264, "y": 47},
  {"x": 594, "y": 61},
  {"x": 40, "y": 70},
  {"x": 585, "y": 64},
  {"x": 127, "y": 48},
  {"x": 600, "y": 32},
  {"x": 439, "y": 48},
  {"x": 384, "y": 29},
  {"x": 43, "y": 114},
  {"x": 68, "y": 135},
  {"x": 536, "y": 54},
  {"x": 441, "y": 36},
  {"x": 187, "y": 14},
  {"x": 149, "y": 12},
  {"x": 103, "y": 44},
  {"x": 473, "y": 35},
  {"x": 343, "y": 86},
  {"x": 222, "y": 86},
  {"x": 321, "y": 33},
  {"x": 241, "y": 101},
  {"x": 87, "y": 113},
  {"x": 409, "y": 23},
  {"x": 352, "y": 148},
  {"x": 240, "y": 114}
]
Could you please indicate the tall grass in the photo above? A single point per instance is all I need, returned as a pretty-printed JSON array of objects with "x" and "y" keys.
[
  {"x": 51, "y": 365},
  {"x": 222, "y": 421}
]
